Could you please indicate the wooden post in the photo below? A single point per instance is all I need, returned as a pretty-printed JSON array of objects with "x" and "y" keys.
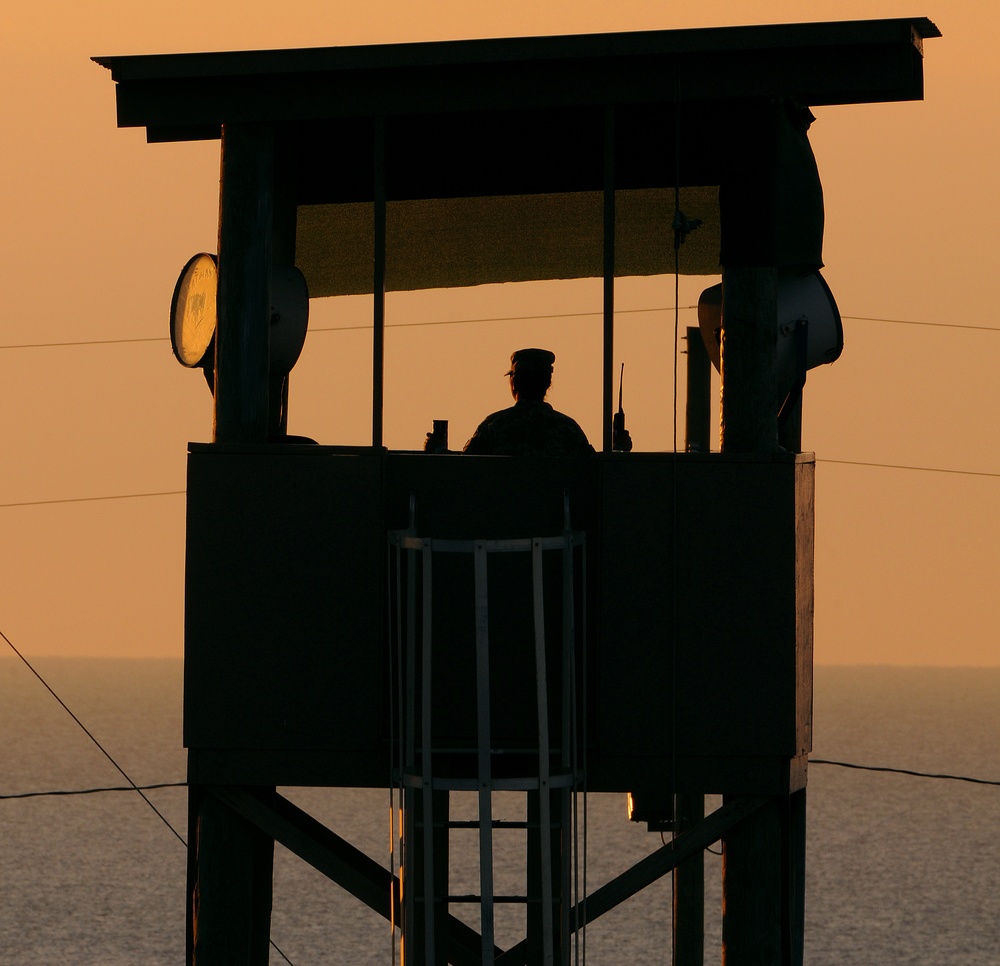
[
  {"x": 231, "y": 915},
  {"x": 191, "y": 903},
  {"x": 752, "y": 869},
  {"x": 698, "y": 420},
  {"x": 607, "y": 395},
  {"x": 284, "y": 220},
  {"x": 794, "y": 860},
  {"x": 749, "y": 360},
  {"x": 261, "y": 896},
  {"x": 378, "y": 283},
  {"x": 689, "y": 886},
  {"x": 230, "y": 862},
  {"x": 242, "y": 340},
  {"x": 752, "y": 885},
  {"x": 688, "y": 928}
]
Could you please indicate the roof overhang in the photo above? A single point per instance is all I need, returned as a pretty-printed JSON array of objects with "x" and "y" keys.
[
  {"x": 847, "y": 62},
  {"x": 495, "y": 149}
]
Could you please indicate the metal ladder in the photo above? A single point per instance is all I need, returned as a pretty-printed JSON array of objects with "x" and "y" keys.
[{"x": 425, "y": 769}]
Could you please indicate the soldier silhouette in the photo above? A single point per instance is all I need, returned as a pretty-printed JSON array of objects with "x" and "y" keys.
[{"x": 531, "y": 427}]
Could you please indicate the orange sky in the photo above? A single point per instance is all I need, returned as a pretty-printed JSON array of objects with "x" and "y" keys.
[{"x": 98, "y": 224}]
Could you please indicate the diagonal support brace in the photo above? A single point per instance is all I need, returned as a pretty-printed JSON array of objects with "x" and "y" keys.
[
  {"x": 654, "y": 866},
  {"x": 339, "y": 861}
]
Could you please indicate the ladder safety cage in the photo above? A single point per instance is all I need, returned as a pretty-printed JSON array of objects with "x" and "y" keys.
[{"x": 471, "y": 630}]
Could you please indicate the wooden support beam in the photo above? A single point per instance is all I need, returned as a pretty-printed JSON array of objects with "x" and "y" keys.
[
  {"x": 666, "y": 859},
  {"x": 793, "y": 848},
  {"x": 689, "y": 887},
  {"x": 607, "y": 395},
  {"x": 698, "y": 416},
  {"x": 242, "y": 339},
  {"x": 752, "y": 887},
  {"x": 749, "y": 360},
  {"x": 654, "y": 866},
  {"x": 284, "y": 221},
  {"x": 190, "y": 905},
  {"x": 754, "y": 878},
  {"x": 314, "y": 843},
  {"x": 378, "y": 282},
  {"x": 339, "y": 861},
  {"x": 231, "y": 914}
]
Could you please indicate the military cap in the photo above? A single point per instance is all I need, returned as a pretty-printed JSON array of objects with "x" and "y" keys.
[{"x": 531, "y": 360}]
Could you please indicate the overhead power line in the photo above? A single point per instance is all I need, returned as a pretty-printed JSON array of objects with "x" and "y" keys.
[
  {"x": 503, "y": 318},
  {"x": 903, "y": 771},
  {"x": 93, "y": 791},
  {"x": 55, "y": 345},
  {"x": 132, "y": 786},
  {"x": 121, "y": 771},
  {"x": 90, "y": 499},
  {"x": 886, "y": 466},
  {"x": 900, "y": 466},
  {"x": 367, "y": 325},
  {"x": 938, "y": 325},
  {"x": 812, "y": 761},
  {"x": 661, "y": 308},
  {"x": 500, "y": 318}
]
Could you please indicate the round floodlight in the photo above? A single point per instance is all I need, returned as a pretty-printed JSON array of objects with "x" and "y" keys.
[
  {"x": 194, "y": 315},
  {"x": 801, "y": 298},
  {"x": 193, "y": 311},
  {"x": 808, "y": 298},
  {"x": 289, "y": 317}
]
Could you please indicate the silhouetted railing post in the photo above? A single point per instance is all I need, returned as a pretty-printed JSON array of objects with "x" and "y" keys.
[{"x": 698, "y": 420}]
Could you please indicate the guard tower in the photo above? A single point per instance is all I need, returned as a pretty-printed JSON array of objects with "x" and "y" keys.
[{"x": 676, "y": 662}]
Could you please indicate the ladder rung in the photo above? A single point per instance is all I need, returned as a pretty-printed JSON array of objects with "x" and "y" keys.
[
  {"x": 472, "y": 823},
  {"x": 522, "y": 900},
  {"x": 474, "y": 899},
  {"x": 557, "y": 780},
  {"x": 554, "y": 751},
  {"x": 497, "y": 823}
]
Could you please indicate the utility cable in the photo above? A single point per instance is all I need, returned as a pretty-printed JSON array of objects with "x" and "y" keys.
[
  {"x": 90, "y": 735},
  {"x": 132, "y": 785},
  {"x": 90, "y": 499},
  {"x": 899, "y": 466},
  {"x": 353, "y": 328},
  {"x": 61, "y": 345},
  {"x": 903, "y": 771},
  {"x": 502, "y": 318},
  {"x": 93, "y": 791},
  {"x": 812, "y": 761},
  {"x": 886, "y": 466},
  {"x": 937, "y": 325}
]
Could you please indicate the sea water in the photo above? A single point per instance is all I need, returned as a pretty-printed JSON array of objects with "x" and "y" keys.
[{"x": 900, "y": 869}]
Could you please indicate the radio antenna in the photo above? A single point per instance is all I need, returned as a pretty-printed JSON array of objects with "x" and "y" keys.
[{"x": 620, "y": 438}]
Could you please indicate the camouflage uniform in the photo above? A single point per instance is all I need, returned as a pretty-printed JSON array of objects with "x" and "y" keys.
[{"x": 529, "y": 428}]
